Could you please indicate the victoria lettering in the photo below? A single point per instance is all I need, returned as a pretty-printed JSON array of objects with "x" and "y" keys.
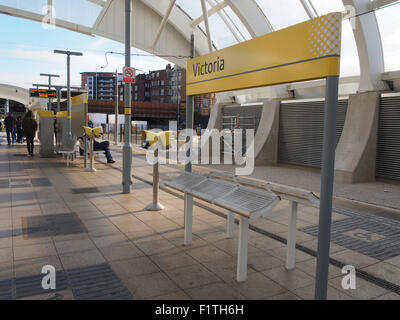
[{"x": 200, "y": 69}]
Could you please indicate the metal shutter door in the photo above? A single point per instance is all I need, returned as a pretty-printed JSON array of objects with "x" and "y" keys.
[
  {"x": 388, "y": 151},
  {"x": 301, "y": 126}
]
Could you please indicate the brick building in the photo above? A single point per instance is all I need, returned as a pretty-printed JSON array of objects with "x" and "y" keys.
[{"x": 101, "y": 85}]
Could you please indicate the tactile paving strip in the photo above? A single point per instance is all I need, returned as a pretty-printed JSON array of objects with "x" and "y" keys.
[
  {"x": 374, "y": 236},
  {"x": 41, "y": 182},
  {"x": 85, "y": 190},
  {"x": 6, "y": 290},
  {"x": 32, "y": 285},
  {"x": 97, "y": 282},
  {"x": 52, "y": 225}
]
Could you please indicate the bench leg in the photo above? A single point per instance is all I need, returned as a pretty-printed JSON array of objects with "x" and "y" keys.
[
  {"x": 230, "y": 225},
  {"x": 188, "y": 219},
  {"x": 67, "y": 159},
  {"x": 241, "y": 274},
  {"x": 291, "y": 244}
]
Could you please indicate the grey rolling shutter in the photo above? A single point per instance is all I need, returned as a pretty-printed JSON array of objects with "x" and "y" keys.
[
  {"x": 301, "y": 127},
  {"x": 388, "y": 149}
]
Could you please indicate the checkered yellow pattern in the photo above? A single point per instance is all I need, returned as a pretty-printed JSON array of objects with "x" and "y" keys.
[{"x": 325, "y": 35}]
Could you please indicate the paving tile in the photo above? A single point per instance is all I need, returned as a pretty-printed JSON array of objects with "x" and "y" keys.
[
  {"x": 122, "y": 251},
  {"x": 60, "y": 295},
  {"x": 263, "y": 261},
  {"x": 289, "y": 279},
  {"x": 156, "y": 246},
  {"x": 308, "y": 293},
  {"x": 34, "y": 251},
  {"x": 150, "y": 285},
  {"x": 179, "y": 295},
  {"x": 108, "y": 240},
  {"x": 364, "y": 290},
  {"x": 32, "y": 267},
  {"x": 167, "y": 262},
  {"x": 192, "y": 276},
  {"x": 389, "y": 296},
  {"x": 310, "y": 267},
  {"x": 285, "y": 296},
  {"x": 74, "y": 245},
  {"x": 207, "y": 253},
  {"x": 216, "y": 291},
  {"x": 258, "y": 287},
  {"x": 81, "y": 259},
  {"x": 385, "y": 271},
  {"x": 354, "y": 258},
  {"x": 134, "y": 267}
]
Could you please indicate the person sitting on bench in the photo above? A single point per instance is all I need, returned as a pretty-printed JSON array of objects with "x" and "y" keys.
[{"x": 100, "y": 146}]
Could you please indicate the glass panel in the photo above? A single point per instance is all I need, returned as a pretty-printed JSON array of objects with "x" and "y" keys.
[
  {"x": 35, "y": 6},
  {"x": 326, "y": 6},
  {"x": 389, "y": 26},
  {"x": 220, "y": 33},
  {"x": 283, "y": 13},
  {"x": 80, "y": 12}
]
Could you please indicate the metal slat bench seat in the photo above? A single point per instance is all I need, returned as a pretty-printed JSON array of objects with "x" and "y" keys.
[
  {"x": 247, "y": 202},
  {"x": 211, "y": 189},
  {"x": 184, "y": 181}
]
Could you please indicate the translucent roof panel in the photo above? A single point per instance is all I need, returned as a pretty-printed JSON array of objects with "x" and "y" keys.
[
  {"x": 389, "y": 21},
  {"x": 325, "y": 6},
  {"x": 283, "y": 13},
  {"x": 192, "y": 8},
  {"x": 237, "y": 24},
  {"x": 220, "y": 33},
  {"x": 81, "y": 12},
  {"x": 35, "y": 6}
]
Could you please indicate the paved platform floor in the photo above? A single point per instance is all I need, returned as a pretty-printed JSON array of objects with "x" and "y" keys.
[{"x": 105, "y": 245}]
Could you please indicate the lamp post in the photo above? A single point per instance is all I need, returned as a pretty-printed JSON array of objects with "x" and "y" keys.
[
  {"x": 69, "y": 54},
  {"x": 50, "y": 76},
  {"x": 127, "y": 148}
]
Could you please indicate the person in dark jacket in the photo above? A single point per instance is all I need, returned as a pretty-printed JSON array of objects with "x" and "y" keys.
[
  {"x": 9, "y": 123},
  {"x": 29, "y": 127},
  {"x": 18, "y": 125}
]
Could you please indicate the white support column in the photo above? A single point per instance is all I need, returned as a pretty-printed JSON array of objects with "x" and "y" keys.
[
  {"x": 230, "y": 225},
  {"x": 188, "y": 207},
  {"x": 205, "y": 16},
  {"x": 242, "y": 249},
  {"x": 291, "y": 242}
]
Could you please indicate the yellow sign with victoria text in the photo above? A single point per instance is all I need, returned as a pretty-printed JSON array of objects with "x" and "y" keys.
[{"x": 306, "y": 51}]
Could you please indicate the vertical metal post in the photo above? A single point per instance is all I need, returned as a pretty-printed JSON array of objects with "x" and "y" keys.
[
  {"x": 156, "y": 205},
  {"x": 188, "y": 202},
  {"x": 189, "y": 113},
  {"x": 58, "y": 99},
  {"x": 85, "y": 152},
  {"x": 328, "y": 169},
  {"x": 127, "y": 148},
  {"x": 69, "y": 135},
  {"x": 49, "y": 104},
  {"x": 116, "y": 108}
]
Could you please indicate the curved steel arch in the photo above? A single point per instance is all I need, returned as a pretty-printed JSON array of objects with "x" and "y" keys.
[{"x": 369, "y": 46}]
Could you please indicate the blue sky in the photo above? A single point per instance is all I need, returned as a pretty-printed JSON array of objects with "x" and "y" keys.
[{"x": 26, "y": 50}]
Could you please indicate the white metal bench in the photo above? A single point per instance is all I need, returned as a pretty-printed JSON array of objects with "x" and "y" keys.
[
  {"x": 68, "y": 149},
  {"x": 292, "y": 194},
  {"x": 247, "y": 202}
]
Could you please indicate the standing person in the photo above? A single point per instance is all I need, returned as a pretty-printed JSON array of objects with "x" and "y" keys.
[
  {"x": 29, "y": 127},
  {"x": 9, "y": 124},
  {"x": 18, "y": 125}
]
